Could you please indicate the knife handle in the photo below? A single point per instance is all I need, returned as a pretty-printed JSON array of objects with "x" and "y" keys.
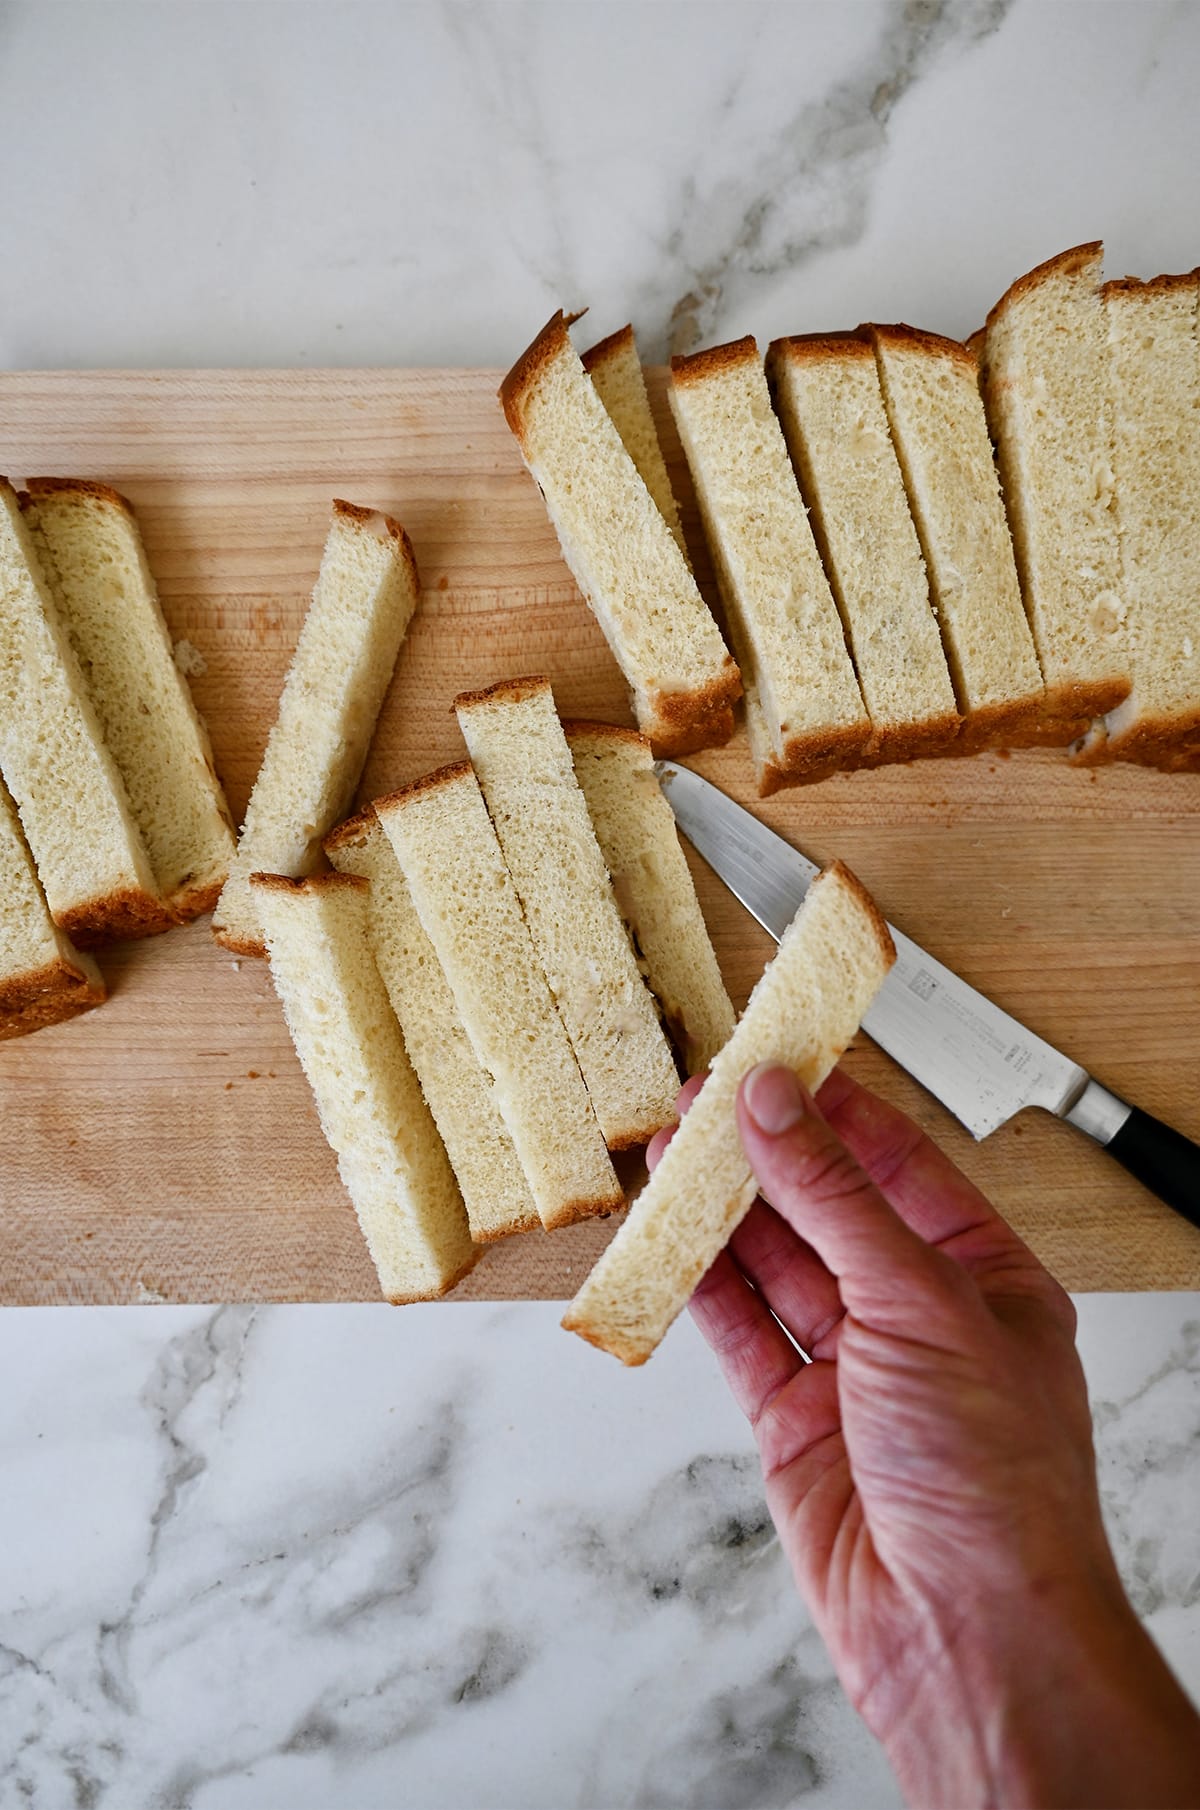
[{"x": 1162, "y": 1159}]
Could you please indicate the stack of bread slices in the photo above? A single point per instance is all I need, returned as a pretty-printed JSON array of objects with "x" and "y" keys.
[{"x": 920, "y": 547}]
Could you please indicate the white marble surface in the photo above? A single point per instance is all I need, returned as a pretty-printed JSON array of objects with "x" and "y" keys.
[{"x": 450, "y": 1557}]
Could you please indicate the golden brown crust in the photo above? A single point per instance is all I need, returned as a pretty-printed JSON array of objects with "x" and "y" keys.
[
  {"x": 428, "y": 782},
  {"x": 879, "y": 924},
  {"x": 577, "y": 729},
  {"x": 1135, "y": 288},
  {"x": 352, "y": 831},
  {"x": 899, "y": 336},
  {"x": 121, "y": 916},
  {"x": 522, "y": 379},
  {"x": 438, "y": 1294},
  {"x": 615, "y": 345},
  {"x": 628, "y": 1351},
  {"x": 508, "y": 691},
  {"x": 693, "y": 367},
  {"x": 253, "y": 947},
  {"x": 36, "y": 488},
  {"x": 191, "y": 902},
  {"x": 331, "y": 882},
  {"x": 570, "y": 1212},
  {"x": 48, "y": 995},
  {"x": 669, "y": 741},
  {"x": 494, "y": 1234},
  {"x": 383, "y": 527},
  {"x": 638, "y": 1136},
  {"x": 1062, "y": 714},
  {"x": 816, "y": 348},
  {"x": 1066, "y": 263},
  {"x": 910, "y": 741}
]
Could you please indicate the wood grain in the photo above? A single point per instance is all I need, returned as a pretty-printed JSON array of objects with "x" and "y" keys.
[{"x": 165, "y": 1146}]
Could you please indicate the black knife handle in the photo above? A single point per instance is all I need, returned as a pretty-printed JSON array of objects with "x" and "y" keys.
[{"x": 1162, "y": 1159}]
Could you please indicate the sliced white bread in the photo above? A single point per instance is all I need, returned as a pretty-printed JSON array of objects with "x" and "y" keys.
[
  {"x": 88, "y": 851},
  {"x": 523, "y": 764},
  {"x": 826, "y": 390},
  {"x": 1050, "y": 412},
  {"x": 364, "y": 599},
  {"x": 469, "y": 910},
  {"x": 782, "y": 617},
  {"x": 92, "y": 555},
  {"x": 1155, "y": 376},
  {"x": 623, "y": 555},
  {"x": 616, "y": 371},
  {"x": 935, "y": 414},
  {"x": 43, "y": 979},
  {"x": 459, "y": 1094},
  {"x": 370, "y": 1105},
  {"x": 803, "y": 1012},
  {"x": 652, "y": 883}
]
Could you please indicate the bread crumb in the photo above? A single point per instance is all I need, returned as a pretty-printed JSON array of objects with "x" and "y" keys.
[
  {"x": 237, "y": 967},
  {"x": 147, "y": 1296},
  {"x": 189, "y": 659}
]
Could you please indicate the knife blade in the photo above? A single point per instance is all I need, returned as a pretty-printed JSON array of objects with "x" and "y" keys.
[{"x": 979, "y": 1061}]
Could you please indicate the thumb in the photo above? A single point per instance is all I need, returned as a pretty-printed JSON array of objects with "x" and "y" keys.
[{"x": 884, "y": 1270}]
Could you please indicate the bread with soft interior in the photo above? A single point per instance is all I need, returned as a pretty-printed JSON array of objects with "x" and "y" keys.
[
  {"x": 826, "y": 391},
  {"x": 91, "y": 551},
  {"x": 75, "y": 813},
  {"x": 804, "y": 1011},
  {"x": 616, "y": 372},
  {"x": 469, "y": 910},
  {"x": 653, "y": 885},
  {"x": 459, "y": 1094},
  {"x": 390, "y": 1157},
  {"x": 782, "y": 617},
  {"x": 620, "y": 549},
  {"x": 523, "y": 764},
  {"x": 43, "y": 979},
  {"x": 935, "y": 415},
  {"x": 364, "y": 599},
  {"x": 1049, "y": 407}
]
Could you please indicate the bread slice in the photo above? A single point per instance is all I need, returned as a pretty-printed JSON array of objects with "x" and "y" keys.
[
  {"x": 389, "y": 1154},
  {"x": 92, "y": 556},
  {"x": 363, "y": 602},
  {"x": 782, "y": 618},
  {"x": 652, "y": 883},
  {"x": 826, "y": 390},
  {"x": 616, "y": 371},
  {"x": 803, "y": 1012},
  {"x": 468, "y": 907},
  {"x": 1050, "y": 411},
  {"x": 42, "y": 978},
  {"x": 524, "y": 767},
  {"x": 935, "y": 413},
  {"x": 620, "y": 549},
  {"x": 459, "y": 1094},
  {"x": 1155, "y": 376},
  {"x": 89, "y": 855}
]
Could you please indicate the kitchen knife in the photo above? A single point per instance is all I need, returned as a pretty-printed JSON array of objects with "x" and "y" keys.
[{"x": 980, "y": 1063}]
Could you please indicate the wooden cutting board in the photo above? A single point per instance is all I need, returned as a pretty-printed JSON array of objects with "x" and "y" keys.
[{"x": 165, "y": 1146}]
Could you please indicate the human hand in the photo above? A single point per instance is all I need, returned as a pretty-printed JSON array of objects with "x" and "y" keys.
[{"x": 931, "y": 1471}]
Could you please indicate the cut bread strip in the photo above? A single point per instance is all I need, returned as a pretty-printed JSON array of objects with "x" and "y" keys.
[
  {"x": 620, "y": 549},
  {"x": 652, "y": 882},
  {"x": 363, "y": 602},
  {"x": 89, "y": 854},
  {"x": 372, "y": 1112},
  {"x": 1156, "y": 458},
  {"x": 935, "y": 413},
  {"x": 826, "y": 390},
  {"x": 92, "y": 556},
  {"x": 42, "y": 978},
  {"x": 1049, "y": 408},
  {"x": 616, "y": 371},
  {"x": 782, "y": 617},
  {"x": 459, "y": 1094},
  {"x": 524, "y": 767},
  {"x": 803, "y": 1012},
  {"x": 468, "y": 907}
]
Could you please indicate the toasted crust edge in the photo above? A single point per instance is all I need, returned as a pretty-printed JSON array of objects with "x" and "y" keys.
[
  {"x": 428, "y": 782},
  {"x": 816, "y": 348},
  {"x": 121, "y": 916},
  {"x": 363, "y": 517},
  {"x": 694, "y": 367},
  {"x": 191, "y": 902},
  {"x": 571, "y": 1212},
  {"x": 505, "y": 691},
  {"x": 309, "y": 883},
  {"x": 1064, "y": 263},
  {"x": 669, "y": 741},
  {"x": 898, "y": 334},
  {"x": 581, "y": 729},
  {"x": 437, "y": 1294},
  {"x": 518, "y": 383},
  {"x": 351, "y": 829},
  {"x": 36, "y": 488},
  {"x": 613, "y": 345},
  {"x": 48, "y": 995}
]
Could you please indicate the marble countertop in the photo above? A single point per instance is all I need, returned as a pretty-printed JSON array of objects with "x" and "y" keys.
[{"x": 449, "y": 1557}]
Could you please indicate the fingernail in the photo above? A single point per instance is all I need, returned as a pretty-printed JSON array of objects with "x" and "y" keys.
[{"x": 774, "y": 1097}]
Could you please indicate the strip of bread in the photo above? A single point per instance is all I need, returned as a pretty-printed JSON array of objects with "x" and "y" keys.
[
  {"x": 1155, "y": 375},
  {"x": 43, "y": 979},
  {"x": 652, "y": 882},
  {"x": 364, "y": 599},
  {"x": 826, "y": 389},
  {"x": 372, "y": 1112},
  {"x": 92, "y": 555},
  {"x": 75, "y": 814},
  {"x": 935, "y": 413},
  {"x": 623, "y": 555},
  {"x": 481, "y": 1152},
  {"x": 616, "y": 371},
  {"x": 782, "y": 617},
  {"x": 1049, "y": 407},
  {"x": 524, "y": 767},
  {"x": 469, "y": 910},
  {"x": 804, "y": 1011}
]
